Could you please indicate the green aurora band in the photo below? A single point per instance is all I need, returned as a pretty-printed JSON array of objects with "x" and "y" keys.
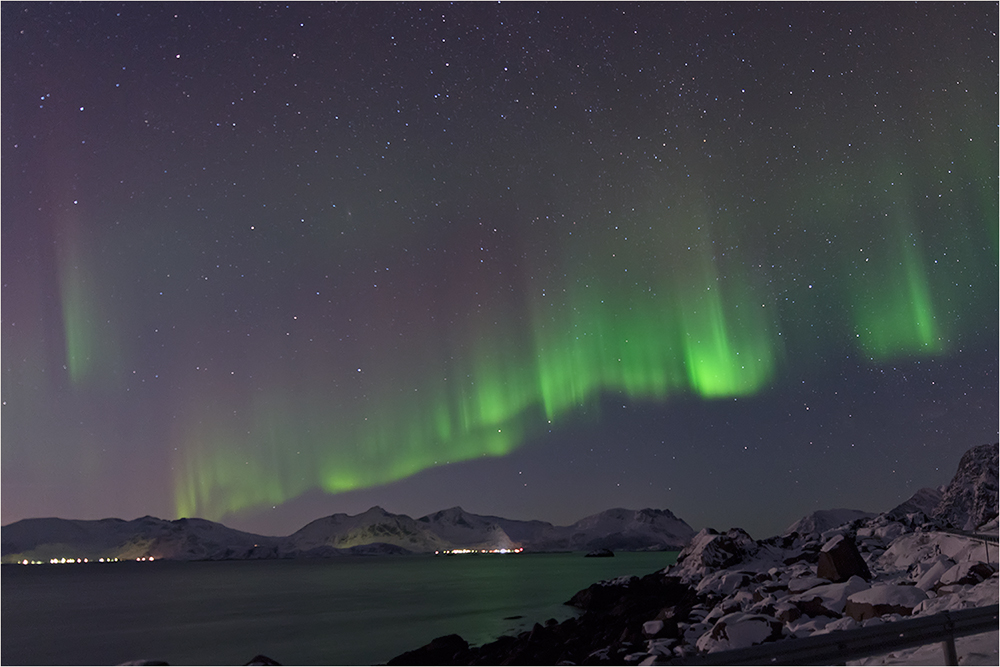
[
  {"x": 699, "y": 291},
  {"x": 697, "y": 324}
]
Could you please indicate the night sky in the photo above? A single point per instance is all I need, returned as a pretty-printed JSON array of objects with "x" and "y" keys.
[{"x": 264, "y": 263}]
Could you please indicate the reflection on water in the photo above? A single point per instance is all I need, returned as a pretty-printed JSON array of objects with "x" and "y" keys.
[{"x": 338, "y": 611}]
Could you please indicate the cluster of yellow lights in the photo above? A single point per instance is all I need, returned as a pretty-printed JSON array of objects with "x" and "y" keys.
[
  {"x": 64, "y": 561},
  {"x": 479, "y": 551}
]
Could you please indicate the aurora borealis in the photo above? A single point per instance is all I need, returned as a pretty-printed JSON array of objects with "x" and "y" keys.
[{"x": 265, "y": 262}]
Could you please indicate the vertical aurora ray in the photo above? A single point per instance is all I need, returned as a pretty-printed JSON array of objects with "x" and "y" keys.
[
  {"x": 726, "y": 352},
  {"x": 894, "y": 310},
  {"x": 92, "y": 348},
  {"x": 892, "y": 302},
  {"x": 78, "y": 310}
]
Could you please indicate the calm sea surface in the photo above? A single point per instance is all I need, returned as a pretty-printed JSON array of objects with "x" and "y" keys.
[{"x": 352, "y": 611}]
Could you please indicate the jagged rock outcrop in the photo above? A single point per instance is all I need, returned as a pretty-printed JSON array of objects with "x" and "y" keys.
[{"x": 971, "y": 498}]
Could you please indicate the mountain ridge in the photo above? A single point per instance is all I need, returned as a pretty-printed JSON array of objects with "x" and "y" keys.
[{"x": 374, "y": 531}]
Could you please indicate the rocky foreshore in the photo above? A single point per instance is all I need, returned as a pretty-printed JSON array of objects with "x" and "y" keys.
[{"x": 730, "y": 591}]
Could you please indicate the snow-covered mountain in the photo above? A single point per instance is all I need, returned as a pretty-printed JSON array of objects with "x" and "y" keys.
[
  {"x": 631, "y": 530},
  {"x": 373, "y": 532},
  {"x": 374, "y": 526},
  {"x": 468, "y": 531},
  {"x": 454, "y": 528}
]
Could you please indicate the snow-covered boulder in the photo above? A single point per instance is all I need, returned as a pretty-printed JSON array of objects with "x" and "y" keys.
[
  {"x": 828, "y": 599},
  {"x": 929, "y": 573},
  {"x": 883, "y": 599},
  {"x": 966, "y": 572},
  {"x": 739, "y": 630},
  {"x": 709, "y": 551}
]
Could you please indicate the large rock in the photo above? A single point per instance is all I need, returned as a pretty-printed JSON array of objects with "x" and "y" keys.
[
  {"x": 883, "y": 599},
  {"x": 839, "y": 560},
  {"x": 709, "y": 551},
  {"x": 931, "y": 572}
]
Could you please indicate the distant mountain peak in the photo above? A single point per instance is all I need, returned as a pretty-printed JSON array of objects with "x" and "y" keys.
[{"x": 820, "y": 521}]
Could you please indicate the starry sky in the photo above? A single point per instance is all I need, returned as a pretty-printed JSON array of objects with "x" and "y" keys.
[{"x": 264, "y": 263}]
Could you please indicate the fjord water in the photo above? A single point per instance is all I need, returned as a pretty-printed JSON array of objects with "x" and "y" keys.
[{"x": 351, "y": 610}]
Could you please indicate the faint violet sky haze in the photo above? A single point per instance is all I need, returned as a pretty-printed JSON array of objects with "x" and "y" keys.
[{"x": 263, "y": 263}]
